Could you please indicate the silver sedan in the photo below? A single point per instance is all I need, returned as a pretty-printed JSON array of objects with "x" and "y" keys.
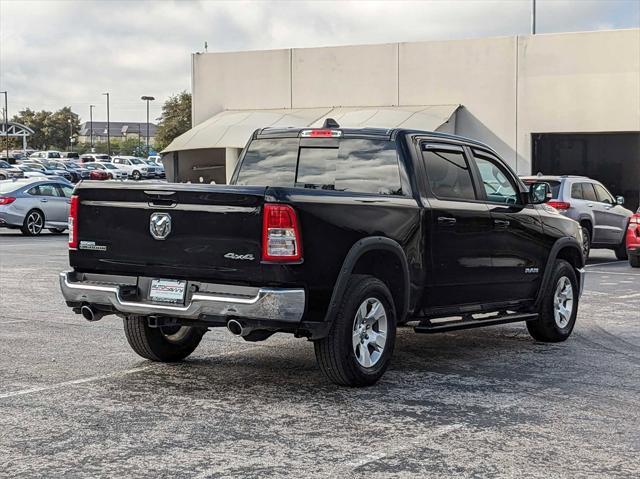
[{"x": 32, "y": 205}]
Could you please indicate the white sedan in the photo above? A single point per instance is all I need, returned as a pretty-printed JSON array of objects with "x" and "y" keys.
[{"x": 115, "y": 172}]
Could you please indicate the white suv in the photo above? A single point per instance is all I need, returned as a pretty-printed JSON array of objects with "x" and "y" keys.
[
  {"x": 45, "y": 155},
  {"x": 136, "y": 167}
]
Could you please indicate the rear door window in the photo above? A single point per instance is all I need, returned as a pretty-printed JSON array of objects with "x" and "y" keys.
[
  {"x": 588, "y": 192},
  {"x": 448, "y": 173}
]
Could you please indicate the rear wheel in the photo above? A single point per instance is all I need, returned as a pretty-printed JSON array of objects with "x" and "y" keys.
[
  {"x": 621, "y": 251},
  {"x": 165, "y": 344},
  {"x": 559, "y": 308},
  {"x": 33, "y": 223},
  {"x": 634, "y": 261},
  {"x": 359, "y": 346}
]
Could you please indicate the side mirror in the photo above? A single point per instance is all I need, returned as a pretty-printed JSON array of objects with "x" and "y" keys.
[
  {"x": 539, "y": 193},
  {"x": 620, "y": 200}
]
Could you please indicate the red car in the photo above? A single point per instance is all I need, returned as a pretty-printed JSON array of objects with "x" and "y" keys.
[
  {"x": 633, "y": 240},
  {"x": 98, "y": 175}
]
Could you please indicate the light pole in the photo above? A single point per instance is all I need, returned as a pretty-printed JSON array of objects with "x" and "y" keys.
[
  {"x": 147, "y": 99},
  {"x": 70, "y": 134},
  {"x": 108, "y": 127},
  {"x": 91, "y": 107},
  {"x": 6, "y": 123},
  {"x": 533, "y": 17}
]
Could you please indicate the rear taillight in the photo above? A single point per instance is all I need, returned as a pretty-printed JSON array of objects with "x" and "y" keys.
[
  {"x": 73, "y": 222},
  {"x": 559, "y": 205},
  {"x": 6, "y": 200},
  {"x": 281, "y": 240}
]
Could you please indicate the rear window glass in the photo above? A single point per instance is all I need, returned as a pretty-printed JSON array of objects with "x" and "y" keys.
[{"x": 356, "y": 165}]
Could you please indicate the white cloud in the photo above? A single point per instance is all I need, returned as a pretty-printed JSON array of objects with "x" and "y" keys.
[{"x": 55, "y": 53}]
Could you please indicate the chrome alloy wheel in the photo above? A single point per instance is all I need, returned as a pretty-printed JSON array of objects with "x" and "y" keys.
[
  {"x": 175, "y": 334},
  {"x": 369, "y": 332},
  {"x": 563, "y": 302},
  {"x": 35, "y": 223}
]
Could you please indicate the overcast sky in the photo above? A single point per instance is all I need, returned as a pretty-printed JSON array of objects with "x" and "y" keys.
[{"x": 56, "y": 53}]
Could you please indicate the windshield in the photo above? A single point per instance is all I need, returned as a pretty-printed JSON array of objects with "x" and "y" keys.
[
  {"x": 101, "y": 157},
  {"x": 4, "y": 164},
  {"x": 137, "y": 161},
  {"x": 110, "y": 166}
]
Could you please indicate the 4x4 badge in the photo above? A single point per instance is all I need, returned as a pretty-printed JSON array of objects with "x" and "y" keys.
[{"x": 160, "y": 225}]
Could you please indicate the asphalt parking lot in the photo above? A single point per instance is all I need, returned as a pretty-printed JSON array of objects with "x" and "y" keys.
[{"x": 75, "y": 401}]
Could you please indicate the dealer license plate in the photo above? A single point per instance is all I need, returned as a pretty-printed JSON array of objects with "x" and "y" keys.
[{"x": 167, "y": 290}]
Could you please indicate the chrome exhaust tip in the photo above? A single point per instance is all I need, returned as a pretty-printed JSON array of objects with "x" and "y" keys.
[
  {"x": 234, "y": 327},
  {"x": 91, "y": 314}
]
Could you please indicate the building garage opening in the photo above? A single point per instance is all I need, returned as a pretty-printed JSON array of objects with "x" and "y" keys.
[{"x": 611, "y": 158}]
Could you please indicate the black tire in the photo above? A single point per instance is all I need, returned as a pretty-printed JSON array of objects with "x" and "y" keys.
[
  {"x": 136, "y": 175},
  {"x": 57, "y": 231},
  {"x": 33, "y": 223},
  {"x": 157, "y": 344},
  {"x": 586, "y": 242},
  {"x": 546, "y": 328},
  {"x": 336, "y": 354},
  {"x": 621, "y": 251},
  {"x": 634, "y": 261}
]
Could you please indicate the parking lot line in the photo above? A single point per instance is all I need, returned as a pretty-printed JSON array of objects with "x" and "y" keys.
[
  {"x": 72, "y": 383},
  {"x": 611, "y": 272},
  {"x": 420, "y": 440},
  {"x": 628, "y": 296}
]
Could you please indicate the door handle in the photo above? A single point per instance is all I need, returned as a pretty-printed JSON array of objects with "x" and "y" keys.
[
  {"x": 501, "y": 223},
  {"x": 590, "y": 205},
  {"x": 447, "y": 221},
  {"x": 43, "y": 200}
]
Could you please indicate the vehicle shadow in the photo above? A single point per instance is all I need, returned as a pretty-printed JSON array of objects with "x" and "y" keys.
[{"x": 501, "y": 357}]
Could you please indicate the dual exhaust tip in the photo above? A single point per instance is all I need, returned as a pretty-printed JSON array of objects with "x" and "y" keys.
[{"x": 91, "y": 314}]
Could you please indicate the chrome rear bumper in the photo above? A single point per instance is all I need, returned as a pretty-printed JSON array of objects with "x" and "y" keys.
[{"x": 203, "y": 299}]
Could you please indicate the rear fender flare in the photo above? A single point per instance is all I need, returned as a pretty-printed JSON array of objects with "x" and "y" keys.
[{"x": 361, "y": 247}]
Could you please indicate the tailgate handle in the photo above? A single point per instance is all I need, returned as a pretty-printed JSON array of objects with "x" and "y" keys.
[{"x": 161, "y": 198}]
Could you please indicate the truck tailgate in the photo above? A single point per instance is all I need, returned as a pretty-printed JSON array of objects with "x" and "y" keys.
[{"x": 205, "y": 232}]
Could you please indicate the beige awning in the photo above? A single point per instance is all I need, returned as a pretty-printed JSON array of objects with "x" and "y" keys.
[{"x": 233, "y": 128}]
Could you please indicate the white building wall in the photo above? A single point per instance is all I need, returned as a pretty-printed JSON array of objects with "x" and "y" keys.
[
  {"x": 577, "y": 83},
  {"x": 509, "y": 87}
]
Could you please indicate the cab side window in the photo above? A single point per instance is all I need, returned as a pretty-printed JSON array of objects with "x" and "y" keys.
[
  {"x": 496, "y": 181},
  {"x": 65, "y": 190},
  {"x": 603, "y": 195},
  {"x": 448, "y": 173}
]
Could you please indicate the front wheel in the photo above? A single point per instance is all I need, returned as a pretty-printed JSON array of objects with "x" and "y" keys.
[
  {"x": 164, "y": 344},
  {"x": 359, "y": 346},
  {"x": 135, "y": 175},
  {"x": 559, "y": 307}
]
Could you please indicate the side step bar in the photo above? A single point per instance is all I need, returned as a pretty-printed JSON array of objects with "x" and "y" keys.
[{"x": 427, "y": 327}]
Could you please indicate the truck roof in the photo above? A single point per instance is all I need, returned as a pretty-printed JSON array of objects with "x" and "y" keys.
[{"x": 382, "y": 133}]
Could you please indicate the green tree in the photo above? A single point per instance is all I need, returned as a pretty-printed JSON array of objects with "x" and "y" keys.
[
  {"x": 175, "y": 119},
  {"x": 51, "y": 129}
]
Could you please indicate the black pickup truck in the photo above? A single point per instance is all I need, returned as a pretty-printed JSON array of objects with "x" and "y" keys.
[{"x": 333, "y": 234}]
